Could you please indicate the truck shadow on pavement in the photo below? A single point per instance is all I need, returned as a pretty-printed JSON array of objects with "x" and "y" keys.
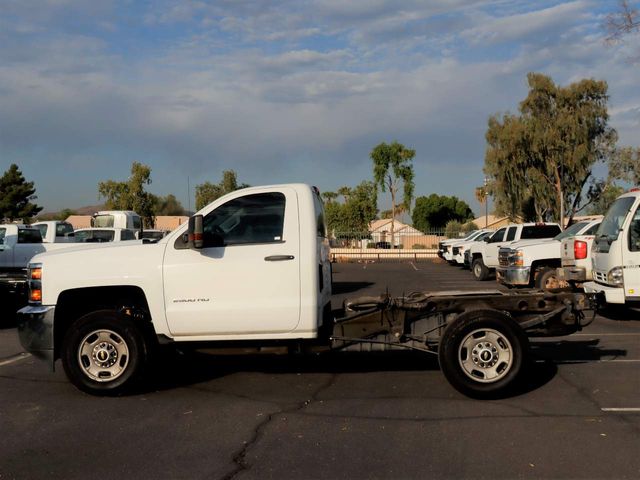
[
  {"x": 182, "y": 369},
  {"x": 573, "y": 351}
]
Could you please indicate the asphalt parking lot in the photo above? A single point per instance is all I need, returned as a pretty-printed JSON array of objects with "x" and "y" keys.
[{"x": 349, "y": 416}]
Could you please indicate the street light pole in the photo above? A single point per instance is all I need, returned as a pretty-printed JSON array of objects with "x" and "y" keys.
[{"x": 486, "y": 203}]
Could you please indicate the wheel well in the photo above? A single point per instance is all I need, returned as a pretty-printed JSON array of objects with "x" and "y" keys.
[
  {"x": 73, "y": 304},
  {"x": 476, "y": 255},
  {"x": 540, "y": 264}
]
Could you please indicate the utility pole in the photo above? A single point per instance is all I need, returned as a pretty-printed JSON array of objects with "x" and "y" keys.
[
  {"x": 486, "y": 203},
  {"x": 188, "y": 196}
]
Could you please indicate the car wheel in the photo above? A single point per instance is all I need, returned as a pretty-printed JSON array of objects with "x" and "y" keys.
[
  {"x": 104, "y": 353},
  {"x": 482, "y": 352},
  {"x": 479, "y": 269}
]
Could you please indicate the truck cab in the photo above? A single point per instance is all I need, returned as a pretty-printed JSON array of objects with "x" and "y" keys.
[
  {"x": 615, "y": 254},
  {"x": 55, "y": 231}
]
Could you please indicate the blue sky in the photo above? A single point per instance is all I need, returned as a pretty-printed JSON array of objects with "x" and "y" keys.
[{"x": 283, "y": 90}]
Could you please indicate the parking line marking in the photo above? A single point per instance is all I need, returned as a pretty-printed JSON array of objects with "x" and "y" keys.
[
  {"x": 414, "y": 267},
  {"x": 14, "y": 358},
  {"x": 606, "y": 334},
  {"x": 568, "y": 362},
  {"x": 628, "y": 409}
]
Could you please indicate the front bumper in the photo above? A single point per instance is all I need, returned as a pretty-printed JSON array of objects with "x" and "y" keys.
[
  {"x": 611, "y": 294},
  {"x": 513, "y": 275},
  {"x": 573, "y": 274},
  {"x": 35, "y": 329}
]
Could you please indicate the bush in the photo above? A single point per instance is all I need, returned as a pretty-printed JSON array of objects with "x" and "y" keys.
[
  {"x": 453, "y": 229},
  {"x": 371, "y": 245},
  {"x": 418, "y": 246}
]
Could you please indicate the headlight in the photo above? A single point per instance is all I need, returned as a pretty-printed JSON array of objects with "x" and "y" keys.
[
  {"x": 516, "y": 258},
  {"x": 34, "y": 277},
  {"x": 614, "y": 277}
]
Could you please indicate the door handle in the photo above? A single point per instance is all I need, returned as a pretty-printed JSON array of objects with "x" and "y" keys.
[{"x": 278, "y": 258}]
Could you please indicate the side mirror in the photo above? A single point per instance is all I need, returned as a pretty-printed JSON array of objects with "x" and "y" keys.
[
  {"x": 196, "y": 232},
  {"x": 487, "y": 239}
]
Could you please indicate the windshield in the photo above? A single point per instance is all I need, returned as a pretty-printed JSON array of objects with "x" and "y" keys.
[
  {"x": 471, "y": 235},
  {"x": 613, "y": 220},
  {"x": 482, "y": 236},
  {"x": 571, "y": 231}
]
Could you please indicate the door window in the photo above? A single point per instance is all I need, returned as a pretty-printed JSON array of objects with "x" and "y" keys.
[
  {"x": 498, "y": 236},
  {"x": 63, "y": 229},
  {"x": 257, "y": 218},
  {"x": 634, "y": 232},
  {"x": 3, "y": 232},
  {"x": 511, "y": 234},
  {"x": 29, "y": 235}
]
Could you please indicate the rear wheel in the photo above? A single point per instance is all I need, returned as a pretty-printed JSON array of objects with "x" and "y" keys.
[
  {"x": 104, "y": 353},
  {"x": 482, "y": 353},
  {"x": 479, "y": 269}
]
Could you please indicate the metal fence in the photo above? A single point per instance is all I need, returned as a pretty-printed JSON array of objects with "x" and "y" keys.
[{"x": 382, "y": 246}]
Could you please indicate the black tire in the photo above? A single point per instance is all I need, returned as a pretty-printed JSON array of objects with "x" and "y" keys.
[
  {"x": 117, "y": 339},
  {"x": 479, "y": 269},
  {"x": 499, "y": 349},
  {"x": 547, "y": 280}
]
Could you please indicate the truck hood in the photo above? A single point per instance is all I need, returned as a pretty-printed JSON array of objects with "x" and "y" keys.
[
  {"x": 531, "y": 243},
  {"x": 54, "y": 249},
  {"x": 119, "y": 264}
]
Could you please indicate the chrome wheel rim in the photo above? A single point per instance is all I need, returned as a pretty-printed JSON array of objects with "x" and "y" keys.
[
  {"x": 103, "y": 355},
  {"x": 477, "y": 269},
  {"x": 485, "y": 355}
]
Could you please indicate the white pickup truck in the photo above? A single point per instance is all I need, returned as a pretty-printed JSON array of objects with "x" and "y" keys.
[
  {"x": 484, "y": 255},
  {"x": 252, "y": 270},
  {"x": 529, "y": 263},
  {"x": 458, "y": 249},
  {"x": 55, "y": 231},
  {"x": 100, "y": 235},
  {"x": 616, "y": 253}
]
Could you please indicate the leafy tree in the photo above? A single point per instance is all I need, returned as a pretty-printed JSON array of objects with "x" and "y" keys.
[
  {"x": 625, "y": 165},
  {"x": 604, "y": 200},
  {"x": 435, "y": 211},
  {"x": 548, "y": 151},
  {"x": 393, "y": 168},
  {"x": 353, "y": 215},
  {"x": 131, "y": 195},
  {"x": 207, "y": 192},
  {"x": 16, "y": 196},
  {"x": 453, "y": 229},
  {"x": 169, "y": 205},
  {"x": 329, "y": 197}
]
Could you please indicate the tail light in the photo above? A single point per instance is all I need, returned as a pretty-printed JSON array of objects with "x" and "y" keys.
[{"x": 579, "y": 249}]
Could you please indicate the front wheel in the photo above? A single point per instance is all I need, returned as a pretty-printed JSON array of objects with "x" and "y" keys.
[
  {"x": 482, "y": 352},
  {"x": 479, "y": 269},
  {"x": 104, "y": 353}
]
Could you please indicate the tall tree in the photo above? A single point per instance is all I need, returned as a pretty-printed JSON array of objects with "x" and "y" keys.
[
  {"x": 16, "y": 196},
  {"x": 393, "y": 169},
  {"x": 436, "y": 211},
  {"x": 549, "y": 150},
  {"x": 207, "y": 192},
  {"x": 131, "y": 194}
]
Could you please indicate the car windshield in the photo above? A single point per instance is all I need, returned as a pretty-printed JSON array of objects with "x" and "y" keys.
[
  {"x": 613, "y": 220},
  {"x": 571, "y": 231},
  {"x": 471, "y": 235},
  {"x": 482, "y": 236}
]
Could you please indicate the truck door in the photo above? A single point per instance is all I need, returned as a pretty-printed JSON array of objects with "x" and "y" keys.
[
  {"x": 246, "y": 279},
  {"x": 491, "y": 252},
  {"x": 631, "y": 258}
]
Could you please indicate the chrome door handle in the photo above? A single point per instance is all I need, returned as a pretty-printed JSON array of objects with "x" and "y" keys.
[{"x": 278, "y": 258}]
